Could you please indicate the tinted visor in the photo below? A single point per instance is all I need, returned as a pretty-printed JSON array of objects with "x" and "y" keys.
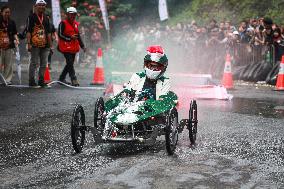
[{"x": 154, "y": 66}]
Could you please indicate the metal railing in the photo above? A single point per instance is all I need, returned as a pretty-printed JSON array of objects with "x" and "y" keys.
[{"x": 246, "y": 53}]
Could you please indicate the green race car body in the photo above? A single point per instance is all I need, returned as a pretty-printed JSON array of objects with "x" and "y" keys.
[{"x": 136, "y": 117}]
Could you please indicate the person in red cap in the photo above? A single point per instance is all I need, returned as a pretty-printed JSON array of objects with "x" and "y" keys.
[{"x": 151, "y": 82}]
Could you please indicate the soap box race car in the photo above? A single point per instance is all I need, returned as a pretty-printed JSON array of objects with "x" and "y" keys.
[{"x": 130, "y": 118}]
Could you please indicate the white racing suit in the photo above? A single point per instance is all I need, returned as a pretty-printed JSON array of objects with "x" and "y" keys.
[{"x": 137, "y": 81}]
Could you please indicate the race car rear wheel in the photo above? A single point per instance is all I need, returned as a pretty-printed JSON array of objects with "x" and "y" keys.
[
  {"x": 192, "y": 123},
  {"x": 171, "y": 131},
  {"x": 78, "y": 128},
  {"x": 99, "y": 122}
]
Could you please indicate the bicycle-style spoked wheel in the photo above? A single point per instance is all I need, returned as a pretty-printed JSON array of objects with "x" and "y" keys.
[
  {"x": 171, "y": 132},
  {"x": 98, "y": 114},
  {"x": 192, "y": 123},
  {"x": 78, "y": 128}
]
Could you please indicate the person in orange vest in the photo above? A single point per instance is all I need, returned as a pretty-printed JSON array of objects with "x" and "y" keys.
[{"x": 69, "y": 44}]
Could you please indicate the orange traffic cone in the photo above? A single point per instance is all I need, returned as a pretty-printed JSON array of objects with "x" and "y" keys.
[
  {"x": 99, "y": 78},
  {"x": 227, "y": 81},
  {"x": 280, "y": 77},
  {"x": 47, "y": 78}
]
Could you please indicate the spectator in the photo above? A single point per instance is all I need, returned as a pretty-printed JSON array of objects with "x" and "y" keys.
[
  {"x": 8, "y": 40},
  {"x": 274, "y": 26},
  {"x": 222, "y": 26},
  {"x": 243, "y": 32},
  {"x": 69, "y": 44},
  {"x": 212, "y": 25},
  {"x": 259, "y": 38},
  {"x": 39, "y": 42},
  {"x": 227, "y": 25},
  {"x": 278, "y": 44},
  {"x": 213, "y": 38},
  {"x": 253, "y": 23},
  {"x": 232, "y": 43},
  {"x": 267, "y": 22},
  {"x": 193, "y": 26},
  {"x": 260, "y": 21},
  {"x": 268, "y": 35}
]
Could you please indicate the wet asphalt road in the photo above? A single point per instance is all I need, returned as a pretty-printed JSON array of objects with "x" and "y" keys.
[{"x": 240, "y": 144}]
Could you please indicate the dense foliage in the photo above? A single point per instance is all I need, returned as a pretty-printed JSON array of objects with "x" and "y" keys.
[
  {"x": 129, "y": 11},
  {"x": 90, "y": 13},
  {"x": 234, "y": 10},
  {"x": 180, "y": 10}
]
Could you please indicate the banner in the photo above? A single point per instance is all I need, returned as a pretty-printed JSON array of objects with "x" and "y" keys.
[
  {"x": 163, "y": 10},
  {"x": 55, "y": 7},
  {"x": 104, "y": 13}
]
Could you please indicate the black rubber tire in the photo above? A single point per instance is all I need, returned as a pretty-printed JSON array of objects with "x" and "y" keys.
[
  {"x": 237, "y": 71},
  {"x": 98, "y": 114},
  {"x": 272, "y": 75},
  {"x": 252, "y": 71},
  {"x": 247, "y": 71},
  {"x": 99, "y": 121},
  {"x": 192, "y": 122},
  {"x": 78, "y": 128},
  {"x": 171, "y": 131},
  {"x": 262, "y": 72},
  {"x": 243, "y": 72}
]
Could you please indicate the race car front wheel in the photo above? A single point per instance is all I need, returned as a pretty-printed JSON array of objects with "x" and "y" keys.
[
  {"x": 171, "y": 131},
  {"x": 99, "y": 121},
  {"x": 98, "y": 114},
  {"x": 78, "y": 128},
  {"x": 192, "y": 123}
]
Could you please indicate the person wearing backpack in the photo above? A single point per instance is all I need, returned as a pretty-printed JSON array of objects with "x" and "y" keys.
[
  {"x": 39, "y": 42},
  {"x": 8, "y": 41}
]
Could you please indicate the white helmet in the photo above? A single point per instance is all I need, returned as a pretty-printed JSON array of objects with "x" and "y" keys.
[
  {"x": 40, "y": 2},
  {"x": 71, "y": 10},
  {"x": 155, "y": 54}
]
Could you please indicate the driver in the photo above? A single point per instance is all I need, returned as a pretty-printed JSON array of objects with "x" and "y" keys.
[{"x": 151, "y": 83}]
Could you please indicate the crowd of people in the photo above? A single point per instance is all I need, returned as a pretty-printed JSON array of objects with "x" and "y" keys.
[{"x": 202, "y": 48}]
